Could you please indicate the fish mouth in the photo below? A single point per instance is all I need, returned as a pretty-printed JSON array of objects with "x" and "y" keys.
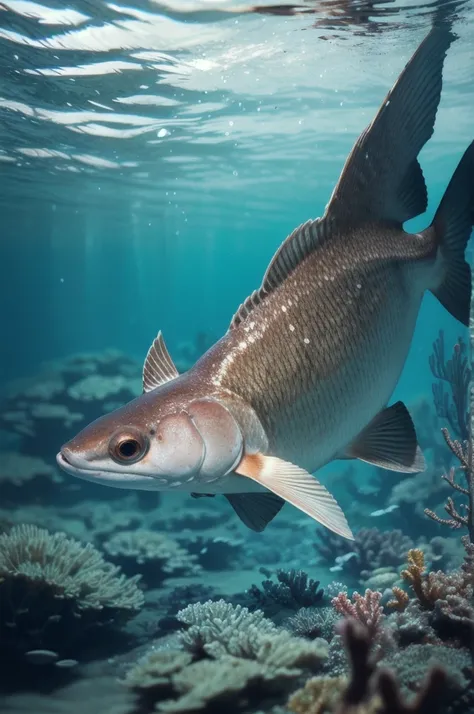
[{"x": 81, "y": 469}]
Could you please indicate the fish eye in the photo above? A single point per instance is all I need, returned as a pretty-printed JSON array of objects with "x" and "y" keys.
[{"x": 128, "y": 447}]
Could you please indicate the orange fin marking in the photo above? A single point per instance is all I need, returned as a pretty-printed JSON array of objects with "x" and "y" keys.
[{"x": 298, "y": 487}]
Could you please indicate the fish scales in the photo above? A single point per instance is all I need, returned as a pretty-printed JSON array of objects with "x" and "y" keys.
[{"x": 309, "y": 356}]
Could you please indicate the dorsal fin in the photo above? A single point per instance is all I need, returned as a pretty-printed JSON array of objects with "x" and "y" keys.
[
  {"x": 246, "y": 308},
  {"x": 302, "y": 242},
  {"x": 299, "y": 244},
  {"x": 159, "y": 367}
]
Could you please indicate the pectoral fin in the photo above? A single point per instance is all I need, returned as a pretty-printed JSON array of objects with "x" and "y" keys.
[
  {"x": 389, "y": 441},
  {"x": 298, "y": 487},
  {"x": 255, "y": 510}
]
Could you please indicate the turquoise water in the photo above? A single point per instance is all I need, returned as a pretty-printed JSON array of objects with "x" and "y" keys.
[{"x": 152, "y": 159}]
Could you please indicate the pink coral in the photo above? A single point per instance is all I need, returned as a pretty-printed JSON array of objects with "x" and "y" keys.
[{"x": 365, "y": 609}]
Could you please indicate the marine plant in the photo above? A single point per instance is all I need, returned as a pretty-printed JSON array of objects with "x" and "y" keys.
[{"x": 455, "y": 374}]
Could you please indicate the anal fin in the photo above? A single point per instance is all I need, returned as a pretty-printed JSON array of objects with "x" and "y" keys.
[
  {"x": 255, "y": 510},
  {"x": 298, "y": 487},
  {"x": 389, "y": 441}
]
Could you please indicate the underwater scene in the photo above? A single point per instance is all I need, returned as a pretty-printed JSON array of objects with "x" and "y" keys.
[{"x": 236, "y": 465}]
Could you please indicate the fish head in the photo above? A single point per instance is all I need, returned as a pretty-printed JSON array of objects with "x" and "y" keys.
[{"x": 169, "y": 438}]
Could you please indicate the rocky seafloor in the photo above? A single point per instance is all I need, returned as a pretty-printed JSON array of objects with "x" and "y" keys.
[{"x": 116, "y": 602}]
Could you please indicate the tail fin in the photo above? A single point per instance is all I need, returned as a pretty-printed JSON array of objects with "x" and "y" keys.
[{"x": 452, "y": 224}]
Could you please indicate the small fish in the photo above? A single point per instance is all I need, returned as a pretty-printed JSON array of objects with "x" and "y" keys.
[
  {"x": 304, "y": 374},
  {"x": 341, "y": 560},
  {"x": 384, "y": 511}
]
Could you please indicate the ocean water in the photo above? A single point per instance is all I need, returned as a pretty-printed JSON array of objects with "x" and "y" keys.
[{"x": 153, "y": 156}]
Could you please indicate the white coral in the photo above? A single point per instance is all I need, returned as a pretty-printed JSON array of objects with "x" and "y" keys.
[
  {"x": 219, "y": 629},
  {"x": 145, "y": 546},
  {"x": 71, "y": 569}
]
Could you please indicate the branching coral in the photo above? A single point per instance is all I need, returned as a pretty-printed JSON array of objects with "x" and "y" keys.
[
  {"x": 154, "y": 555},
  {"x": 320, "y": 695},
  {"x": 294, "y": 589},
  {"x": 433, "y": 586},
  {"x": 52, "y": 588},
  {"x": 448, "y": 598},
  {"x": 174, "y": 683},
  {"x": 464, "y": 454},
  {"x": 218, "y": 628},
  {"x": 367, "y": 691},
  {"x": 400, "y": 599},
  {"x": 221, "y": 625},
  {"x": 365, "y": 609},
  {"x": 240, "y": 657}
]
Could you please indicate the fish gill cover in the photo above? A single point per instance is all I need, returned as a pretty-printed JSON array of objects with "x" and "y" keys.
[{"x": 152, "y": 159}]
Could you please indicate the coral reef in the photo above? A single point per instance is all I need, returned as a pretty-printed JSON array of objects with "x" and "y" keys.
[
  {"x": 446, "y": 599},
  {"x": 365, "y": 609},
  {"x": 463, "y": 453},
  {"x": 231, "y": 656},
  {"x": 372, "y": 549},
  {"x": 411, "y": 663},
  {"x": 194, "y": 635},
  {"x": 53, "y": 589},
  {"x": 48, "y": 409},
  {"x": 293, "y": 589},
  {"x": 312, "y": 622},
  {"x": 218, "y": 628},
  {"x": 171, "y": 682},
  {"x": 368, "y": 689},
  {"x": 154, "y": 555},
  {"x": 22, "y": 475}
]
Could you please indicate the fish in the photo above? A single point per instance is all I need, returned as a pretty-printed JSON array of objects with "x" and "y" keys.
[{"x": 306, "y": 370}]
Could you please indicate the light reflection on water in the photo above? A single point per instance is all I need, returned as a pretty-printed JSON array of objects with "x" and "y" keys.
[{"x": 200, "y": 94}]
